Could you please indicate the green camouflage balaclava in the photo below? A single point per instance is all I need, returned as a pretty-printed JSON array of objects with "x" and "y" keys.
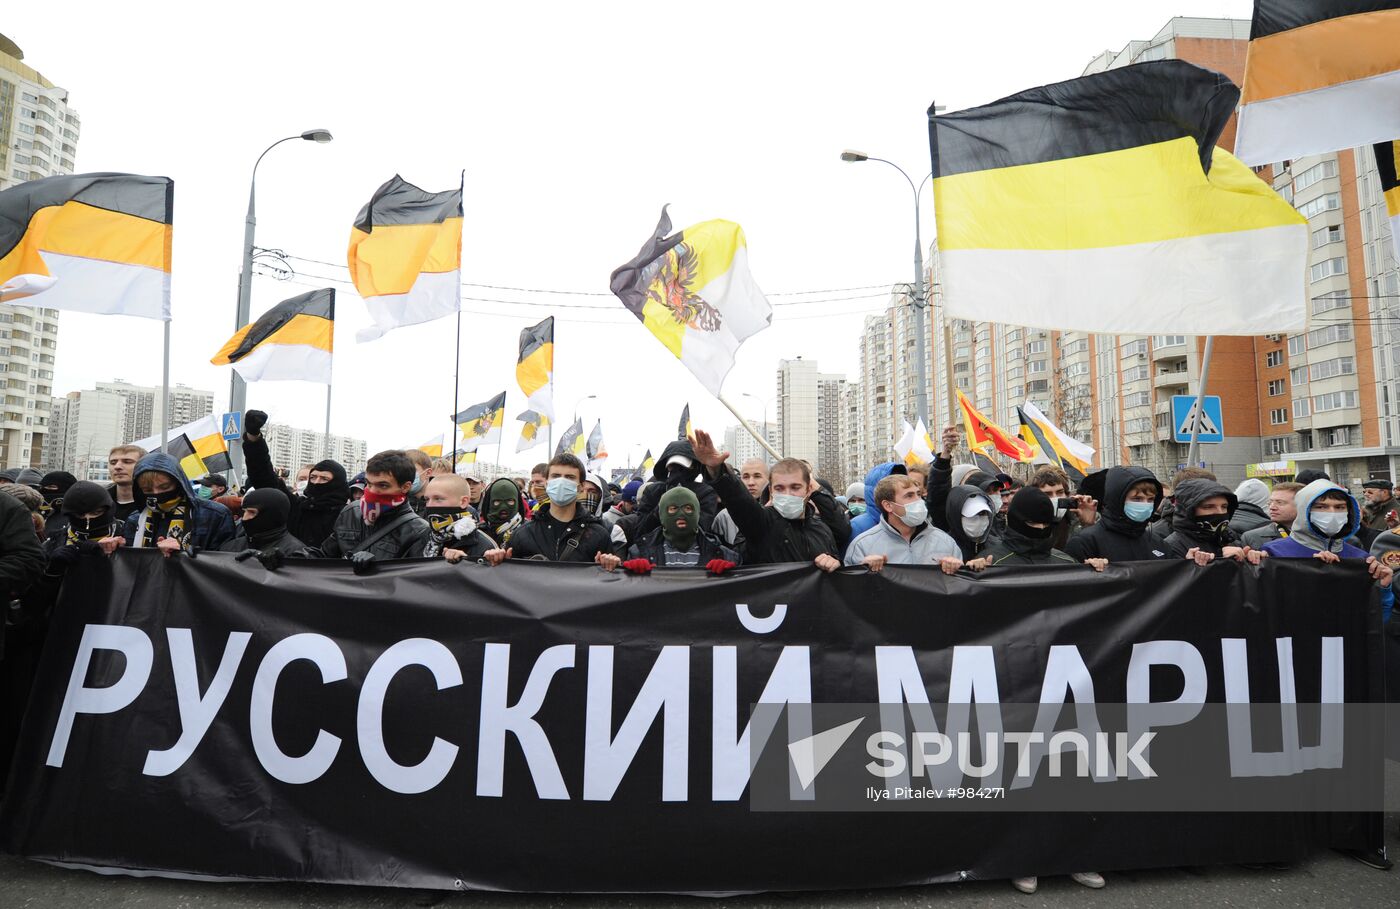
[{"x": 501, "y": 502}]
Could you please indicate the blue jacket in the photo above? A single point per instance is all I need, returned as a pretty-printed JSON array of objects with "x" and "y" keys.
[
  {"x": 211, "y": 524},
  {"x": 863, "y": 522}
]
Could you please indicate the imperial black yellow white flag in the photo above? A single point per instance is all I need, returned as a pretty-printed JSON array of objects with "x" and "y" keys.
[
  {"x": 1102, "y": 204},
  {"x": 292, "y": 340},
  {"x": 96, "y": 243},
  {"x": 206, "y": 439},
  {"x": 433, "y": 447},
  {"x": 530, "y": 433},
  {"x": 1053, "y": 445},
  {"x": 406, "y": 256},
  {"x": 481, "y": 423},
  {"x": 1388, "y": 163},
  {"x": 694, "y": 292},
  {"x": 596, "y": 450},
  {"x": 683, "y": 427},
  {"x": 1321, "y": 75},
  {"x": 572, "y": 441},
  {"x": 534, "y": 370}
]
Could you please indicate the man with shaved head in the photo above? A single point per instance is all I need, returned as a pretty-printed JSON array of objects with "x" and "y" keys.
[
  {"x": 753, "y": 473},
  {"x": 447, "y": 509}
]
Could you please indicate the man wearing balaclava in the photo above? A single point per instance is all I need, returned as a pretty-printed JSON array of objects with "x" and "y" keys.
[
  {"x": 1027, "y": 537},
  {"x": 679, "y": 542},
  {"x": 313, "y": 511},
  {"x": 264, "y": 529},
  {"x": 677, "y": 466},
  {"x": 1201, "y": 521},
  {"x": 502, "y": 510},
  {"x": 969, "y": 517},
  {"x": 53, "y": 487}
]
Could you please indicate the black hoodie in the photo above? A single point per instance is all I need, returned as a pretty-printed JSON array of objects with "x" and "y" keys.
[
  {"x": 1186, "y": 533},
  {"x": 957, "y": 497},
  {"x": 313, "y": 515},
  {"x": 696, "y": 479},
  {"x": 1114, "y": 537}
]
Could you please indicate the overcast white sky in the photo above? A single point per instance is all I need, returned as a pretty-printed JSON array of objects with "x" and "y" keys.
[{"x": 574, "y": 123}]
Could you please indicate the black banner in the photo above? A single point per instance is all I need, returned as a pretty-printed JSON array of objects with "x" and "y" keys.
[{"x": 548, "y": 727}]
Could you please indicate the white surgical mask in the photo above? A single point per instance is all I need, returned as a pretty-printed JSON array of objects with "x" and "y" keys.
[
  {"x": 976, "y": 526},
  {"x": 915, "y": 514},
  {"x": 562, "y": 491},
  {"x": 1330, "y": 523},
  {"x": 790, "y": 507},
  {"x": 1060, "y": 512},
  {"x": 301, "y": 488}
]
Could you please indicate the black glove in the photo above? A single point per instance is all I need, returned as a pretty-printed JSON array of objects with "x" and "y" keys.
[
  {"x": 362, "y": 562},
  {"x": 253, "y": 422},
  {"x": 273, "y": 560}
]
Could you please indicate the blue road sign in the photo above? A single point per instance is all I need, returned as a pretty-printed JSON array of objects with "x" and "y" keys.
[
  {"x": 232, "y": 426},
  {"x": 1212, "y": 422}
]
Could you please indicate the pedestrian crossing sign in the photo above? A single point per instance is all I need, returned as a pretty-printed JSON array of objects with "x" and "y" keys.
[
  {"x": 1212, "y": 427},
  {"x": 232, "y": 426}
]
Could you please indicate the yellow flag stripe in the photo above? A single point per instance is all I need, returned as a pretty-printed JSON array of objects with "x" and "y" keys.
[
  {"x": 75, "y": 229},
  {"x": 533, "y": 372},
  {"x": 312, "y": 331},
  {"x": 715, "y": 244},
  {"x": 661, "y": 323},
  {"x": 1146, "y": 194},
  {"x": 390, "y": 260}
]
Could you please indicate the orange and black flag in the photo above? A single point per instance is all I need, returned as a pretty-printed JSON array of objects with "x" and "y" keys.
[
  {"x": 292, "y": 340},
  {"x": 985, "y": 436},
  {"x": 405, "y": 256},
  {"x": 96, "y": 243},
  {"x": 1320, "y": 76},
  {"x": 534, "y": 369},
  {"x": 1388, "y": 163},
  {"x": 182, "y": 449}
]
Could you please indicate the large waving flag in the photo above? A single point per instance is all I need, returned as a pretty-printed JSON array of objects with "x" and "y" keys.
[
  {"x": 433, "y": 447},
  {"x": 985, "y": 436},
  {"x": 694, "y": 292},
  {"x": 1102, "y": 204},
  {"x": 1321, "y": 75},
  {"x": 292, "y": 340},
  {"x": 530, "y": 434},
  {"x": 534, "y": 370},
  {"x": 206, "y": 440},
  {"x": 481, "y": 423},
  {"x": 596, "y": 450},
  {"x": 406, "y": 256},
  {"x": 95, "y": 243},
  {"x": 572, "y": 441},
  {"x": 1388, "y": 163},
  {"x": 1054, "y": 444}
]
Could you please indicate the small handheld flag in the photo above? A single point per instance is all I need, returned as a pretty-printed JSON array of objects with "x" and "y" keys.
[
  {"x": 985, "y": 436},
  {"x": 572, "y": 441},
  {"x": 1056, "y": 446}
]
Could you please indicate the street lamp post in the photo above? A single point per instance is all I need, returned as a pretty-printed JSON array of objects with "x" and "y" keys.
[
  {"x": 920, "y": 294},
  {"x": 238, "y": 389},
  {"x": 764, "y": 402}
]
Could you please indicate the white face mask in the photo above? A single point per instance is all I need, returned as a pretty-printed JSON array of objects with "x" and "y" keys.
[
  {"x": 790, "y": 507},
  {"x": 301, "y": 488},
  {"x": 976, "y": 526},
  {"x": 1330, "y": 523},
  {"x": 915, "y": 514}
]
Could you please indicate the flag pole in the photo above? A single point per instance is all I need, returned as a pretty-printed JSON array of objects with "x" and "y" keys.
[
  {"x": 456, "y": 383},
  {"x": 1199, "y": 411},
  {"x": 329, "y": 451},
  {"x": 745, "y": 423},
  {"x": 165, "y": 391}
]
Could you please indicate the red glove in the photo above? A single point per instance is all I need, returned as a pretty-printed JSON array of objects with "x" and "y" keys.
[
  {"x": 638, "y": 566},
  {"x": 719, "y": 566}
]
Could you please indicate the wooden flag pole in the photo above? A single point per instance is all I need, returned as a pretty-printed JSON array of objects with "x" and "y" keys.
[{"x": 748, "y": 426}]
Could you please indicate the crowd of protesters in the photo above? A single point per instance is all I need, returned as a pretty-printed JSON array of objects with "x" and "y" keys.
[{"x": 695, "y": 510}]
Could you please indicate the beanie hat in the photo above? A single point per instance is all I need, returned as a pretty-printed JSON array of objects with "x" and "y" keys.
[
  {"x": 855, "y": 491},
  {"x": 84, "y": 496},
  {"x": 1253, "y": 492},
  {"x": 629, "y": 492},
  {"x": 60, "y": 478},
  {"x": 1386, "y": 549},
  {"x": 30, "y": 477},
  {"x": 1309, "y": 475},
  {"x": 233, "y": 503},
  {"x": 960, "y": 471}
]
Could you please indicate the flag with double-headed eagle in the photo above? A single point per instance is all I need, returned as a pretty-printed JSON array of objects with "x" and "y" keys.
[
  {"x": 694, "y": 292},
  {"x": 481, "y": 423}
]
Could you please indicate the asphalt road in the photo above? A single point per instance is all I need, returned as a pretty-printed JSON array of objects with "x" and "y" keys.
[{"x": 1326, "y": 879}]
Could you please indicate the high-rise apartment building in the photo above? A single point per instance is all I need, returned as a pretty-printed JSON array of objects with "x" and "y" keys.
[
  {"x": 87, "y": 424},
  {"x": 812, "y": 417},
  {"x": 294, "y": 448},
  {"x": 38, "y": 138},
  {"x": 742, "y": 446},
  {"x": 142, "y": 418}
]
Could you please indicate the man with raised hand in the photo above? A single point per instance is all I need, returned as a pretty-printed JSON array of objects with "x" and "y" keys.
[{"x": 788, "y": 528}]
